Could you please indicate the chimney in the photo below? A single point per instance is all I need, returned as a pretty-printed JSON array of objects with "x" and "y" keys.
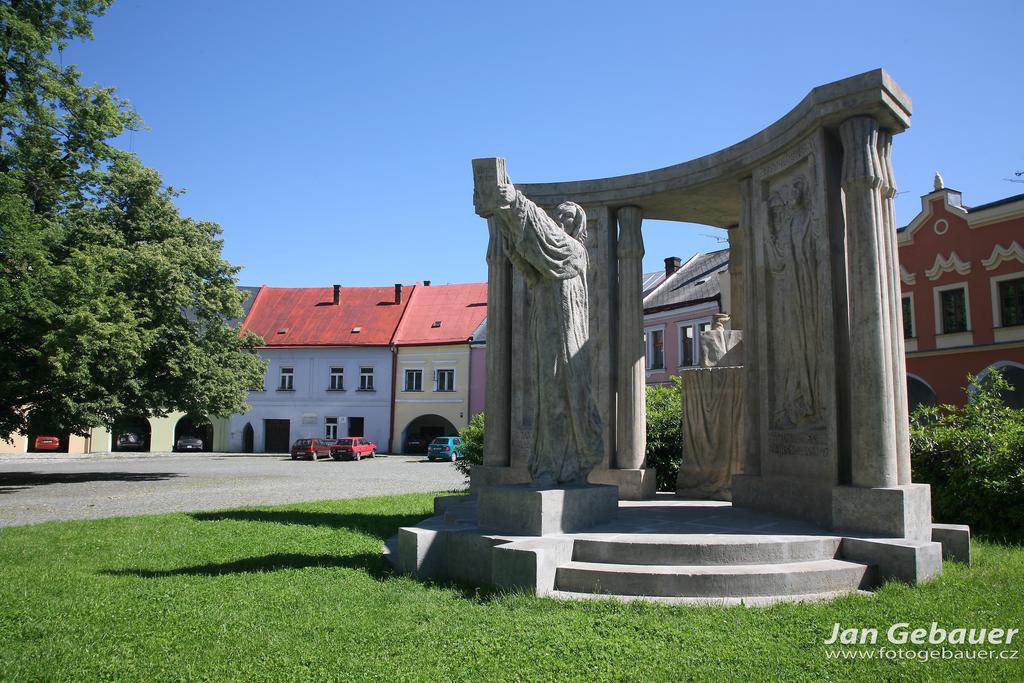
[
  {"x": 426, "y": 283},
  {"x": 398, "y": 293},
  {"x": 672, "y": 264},
  {"x": 337, "y": 294}
]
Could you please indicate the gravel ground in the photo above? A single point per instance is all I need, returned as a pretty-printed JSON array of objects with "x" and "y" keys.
[{"x": 43, "y": 487}]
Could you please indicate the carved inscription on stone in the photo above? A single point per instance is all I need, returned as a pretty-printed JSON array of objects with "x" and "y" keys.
[{"x": 782, "y": 444}]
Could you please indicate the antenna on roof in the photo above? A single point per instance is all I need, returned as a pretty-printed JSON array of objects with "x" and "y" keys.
[{"x": 717, "y": 238}]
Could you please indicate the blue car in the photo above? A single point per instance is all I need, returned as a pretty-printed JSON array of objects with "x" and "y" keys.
[{"x": 445, "y": 448}]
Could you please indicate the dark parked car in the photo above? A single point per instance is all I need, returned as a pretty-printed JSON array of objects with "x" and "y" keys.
[
  {"x": 415, "y": 444},
  {"x": 47, "y": 443},
  {"x": 130, "y": 441},
  {"x": 445, "y": 448},
  {"x": 188, "y": 443},
  {"x": 312, "y": 448}
]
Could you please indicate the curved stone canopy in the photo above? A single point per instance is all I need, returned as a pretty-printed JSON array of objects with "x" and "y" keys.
[{"x": 705, "y": 190}]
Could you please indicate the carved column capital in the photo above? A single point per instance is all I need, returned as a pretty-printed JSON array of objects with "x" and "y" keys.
[
  {"x": 861, "y": 165},
  {"x": 631, "y": 241},
  {"x": 885, "y": 158}
]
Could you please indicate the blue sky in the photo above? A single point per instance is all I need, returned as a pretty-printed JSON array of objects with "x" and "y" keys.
[{"x": 332, "y": 140}]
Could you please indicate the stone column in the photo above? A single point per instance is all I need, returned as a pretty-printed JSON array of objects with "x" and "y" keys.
[
  {"x": 892, "y": 265},
  {"x": 742, "y": 250},
  {"x": 872, "y": 404},
  {"x": 497, "y": 436},
  {"x": 631, "y": 408}
]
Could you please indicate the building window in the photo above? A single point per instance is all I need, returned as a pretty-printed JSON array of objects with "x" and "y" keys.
[
  {"x": 287, "y": 380},
  {"x": 1011, "y": 302},
  {"x": 414, "y": 380},
  {"x": 908, "y": 317},
  {"x": 337, "y": 379},
  {"x": 655, "y": 349},
  {"x": 953, "y": 309},
  {"x": 365, "y": 379},
  {"x": 686, "y": 355},
  {"x": 331, "y": 427},
  {"x": 445, "y": 380}
]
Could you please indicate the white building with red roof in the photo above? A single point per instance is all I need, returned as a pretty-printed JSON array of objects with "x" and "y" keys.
[
  {"x": 433, "y": 370},
  {"x": 330, "y": 360}
]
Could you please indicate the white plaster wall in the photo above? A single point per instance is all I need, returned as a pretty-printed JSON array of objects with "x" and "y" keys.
[{"x": 310, "y": 403}]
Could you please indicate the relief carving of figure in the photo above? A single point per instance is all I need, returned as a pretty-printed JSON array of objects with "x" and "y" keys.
[
  {"x": 793, "y": 265},
  {"x": 551, "y": 256}
]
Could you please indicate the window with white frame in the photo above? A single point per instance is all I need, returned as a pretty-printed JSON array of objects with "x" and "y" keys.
[
  {"x": 414, "y": 380},
  {"x": 331, "y": 427},
  {"x": 337, "y": 379},
  {"x": 908, "y": 316},
  {"x": 1011, "y": 301},
  {"x": 687, "y": 354},
  {"x": 655, "y": 348},
  {"x": 952, "y": 309},
  {"x": 366, "y": 379},
  {"x": 287, "y": 382},
  {"x": 444, "y": 379}
]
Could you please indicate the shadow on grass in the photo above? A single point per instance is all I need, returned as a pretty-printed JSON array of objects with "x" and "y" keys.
[
  {"x": 379, "y": 526},
  {"x": 373, "y": 564},
  {"x": 17, "y": 481}
]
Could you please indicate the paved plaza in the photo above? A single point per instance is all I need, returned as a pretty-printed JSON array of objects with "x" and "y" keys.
[{"x": 41, "y": 487}]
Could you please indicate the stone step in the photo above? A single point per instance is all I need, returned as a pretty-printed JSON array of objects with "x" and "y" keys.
[
  {"x": 745, "y": 600},
  {"x": 714, "y": 581},
  {"x": 704, "y": 549}
]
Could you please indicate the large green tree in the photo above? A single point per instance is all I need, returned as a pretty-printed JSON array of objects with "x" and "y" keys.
[{"x": 111, "y": 302}]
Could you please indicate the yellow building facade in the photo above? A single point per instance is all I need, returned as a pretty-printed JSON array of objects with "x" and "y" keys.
[{"x": 431, "y": 393}]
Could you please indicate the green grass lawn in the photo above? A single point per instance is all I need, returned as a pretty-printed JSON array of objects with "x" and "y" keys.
[{"x": 302, "y": 592}]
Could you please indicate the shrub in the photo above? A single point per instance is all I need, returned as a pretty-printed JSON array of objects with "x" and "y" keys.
[
  {"x": 665, "y": 431},
  {"x": 973, "y": 458},
  {"x": 472, "y": 445}
]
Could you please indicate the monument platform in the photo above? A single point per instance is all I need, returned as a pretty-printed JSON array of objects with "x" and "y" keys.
[{"x": 669, "y": 550}]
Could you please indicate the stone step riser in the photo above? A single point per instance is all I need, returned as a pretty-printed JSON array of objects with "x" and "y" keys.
[
  {"x": 710, "y": 554},
  {"x": 752, "y": 580}
]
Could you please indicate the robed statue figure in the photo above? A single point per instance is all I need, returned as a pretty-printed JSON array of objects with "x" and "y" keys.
[{"x": 551, "y": 255}]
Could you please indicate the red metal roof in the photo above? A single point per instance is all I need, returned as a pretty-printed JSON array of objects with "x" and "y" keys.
[
  {"x": 309, "y": 317},
  {"x": 459, "y": 308}
]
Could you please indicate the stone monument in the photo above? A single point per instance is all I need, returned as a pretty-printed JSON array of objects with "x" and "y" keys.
[{"x": 804, "y": 424}]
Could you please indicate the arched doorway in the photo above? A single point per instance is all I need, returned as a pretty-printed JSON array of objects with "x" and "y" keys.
[
  {"x": 919, "y": 393},
  {"x": 1013, "y": 373},
  {"x": 188, "y": 429},
  {"x": 248, "y": 438},
  {"x": 422, "y": 430},
  {"x": 131, "y": 433}
]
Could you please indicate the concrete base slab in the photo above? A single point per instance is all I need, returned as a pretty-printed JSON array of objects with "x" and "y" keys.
[
  {"x": 639, "y": 484},
  {"x": 898, "y": 511},
  {"x": 528, "y": 511},
  {"x": 785, "y": 496},
  {"x": 955, "y": 540},
  {"x": 667, "y": 550}
]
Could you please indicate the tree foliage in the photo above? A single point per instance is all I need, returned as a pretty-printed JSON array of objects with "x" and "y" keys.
[
  {"x": 973, "y": 458},
  {"x": 472, "y": 445},
  {"x": 111, "y": 302},
  {"x": 665, "y": 431}
]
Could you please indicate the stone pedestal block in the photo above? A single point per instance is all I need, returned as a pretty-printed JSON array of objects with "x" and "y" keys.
[
  {"x": 481, "y": 476},
  {"x": 955, "y": 540},
  {"x": 898, "y": 511},
  {"x": 527, "y": 511},
  {"x": 639, "y": 484}
]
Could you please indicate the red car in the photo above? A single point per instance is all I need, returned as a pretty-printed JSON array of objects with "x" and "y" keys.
[
  {"x": 353, "y": 448},
  {"x": 47, "y": 443},
  {"x": 312, "y": 448}
]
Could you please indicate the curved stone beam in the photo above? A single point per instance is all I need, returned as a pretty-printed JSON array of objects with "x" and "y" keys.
[{"x": 705, "y": 190}]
